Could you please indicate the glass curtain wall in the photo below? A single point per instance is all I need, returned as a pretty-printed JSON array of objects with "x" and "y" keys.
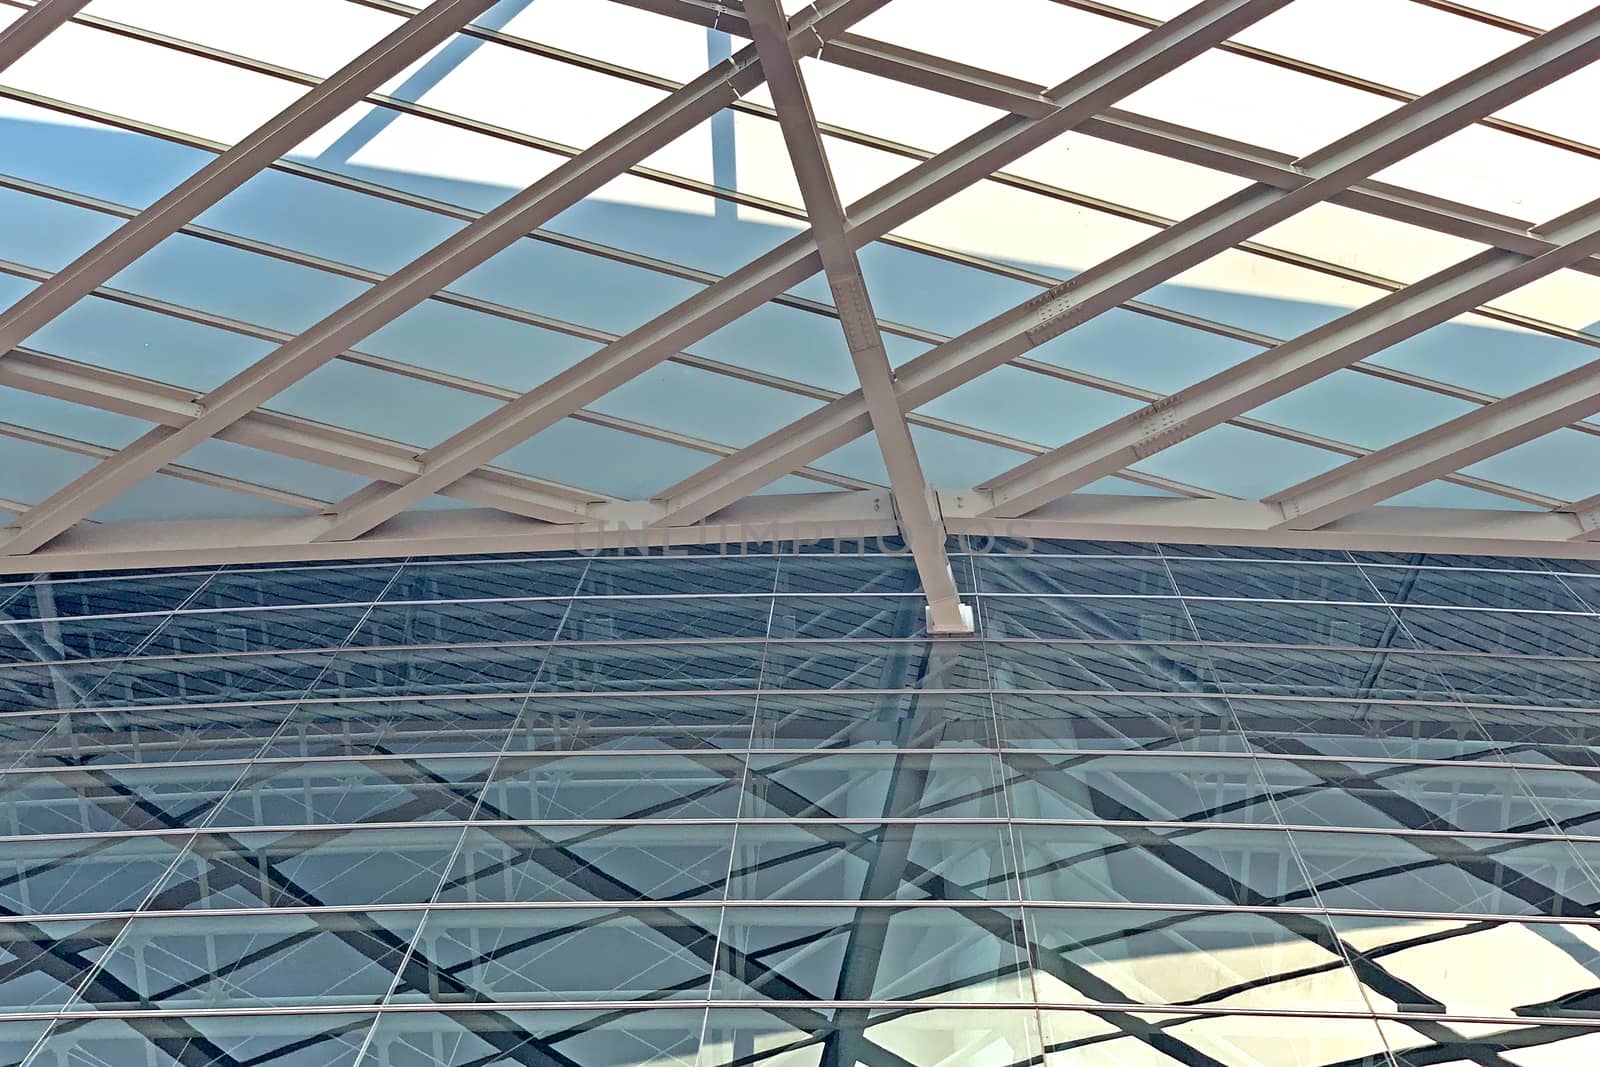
[{"x": 1172, "y": 805}]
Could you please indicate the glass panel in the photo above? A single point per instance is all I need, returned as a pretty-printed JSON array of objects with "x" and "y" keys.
[
  {"x": 666, "y": 618},
  {"x": 914, "y": 1037},
  {"x": 43, "y": 964},
  {"x": 587, "y": 863},
  {"x": 308, "y": 869},
  {"x": 913, "y": 954},
  {"x": 946, "y": 785},
  {"x": 680, "y": 577},
  {"x": 876, "y": 720},
  {"x": 345, "y": 583},
  {"x": 1260, "y": 580},
  {"x": 319, "y": 958},
  {"x": 1133, "y": 864},
  {"x": 867, "y": 665},
  {"x": 1084, "y": 1039},
  {"x": 644, "y": 667},
  {"x": 1101, "y": 667},
  {"x": 353, "y": 791},
  {"x": 1144, "y": 788},
  {"x": 664, "y": 721},
  {"x": 1448, "y": 966},
  {"x": 141, "y": 735},
  {"x": 1298, "y": 624},
  {"x": 581, "y": 786},
  {"x": 74, "y": 638},
  {"x": 901, "y": 861},
  {"x": 200, "y": 1041},
  {"x": 1278, "y": 960},
  {"x": 382, "y": 727},
  {"x": 565, "y": 955},
  {"x": 1093, "y": 618},
  {"x": 88, "y": 800},
  {"x": 189, "y": 633},
  {"x": 1072, "y": 575},
  {"x": 78, "y": 876},
  {"x": 662, "y": 1037},
  {"x": 1454, "y": 875},
  {"x": 455, "y": 623},
  {"x": 492, "y": 579},
  {"x": 1045, "y": 720},
  {"x": 1473, "y": 588}
]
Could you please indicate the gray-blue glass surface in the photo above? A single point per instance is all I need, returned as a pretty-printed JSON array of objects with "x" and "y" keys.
[{"x": 1167, "y": 806}]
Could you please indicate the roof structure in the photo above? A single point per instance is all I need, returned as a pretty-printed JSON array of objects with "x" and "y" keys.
[{"x": 292, "y": 279}]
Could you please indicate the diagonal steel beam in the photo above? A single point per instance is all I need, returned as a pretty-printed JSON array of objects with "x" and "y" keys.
[
  {"x": 1430, "y": 302},
  {"x": 1148, "y": 263},
  {"x": 33, "y": 26},
  {"x": 453, "y": 257},
  {"x": 1458, "y": 442},
  {"x": 797, "y": 259},
  {"x": 919, "y": 518}
]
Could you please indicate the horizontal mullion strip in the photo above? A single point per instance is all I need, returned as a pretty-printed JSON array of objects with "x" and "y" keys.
[
  {"x": 1477, "y": 15},
  {"x": 964, "y": 904},
  {"x": 742, "y": 753},
  {"x": 1181, "y": 829},
  {"x": 62, "y": 443},
  {"x": 934, "y": 1002}
]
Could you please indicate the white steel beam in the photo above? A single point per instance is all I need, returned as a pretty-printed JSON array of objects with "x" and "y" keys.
[
  {"x": 755, "y": 526},
  {"x": 453, "y": 257},
  {"x": 33, "y": 26},
  {"x": 1390, "y": 319},
  {"x": 915, "y": 508},
  {"x": 761, "y": 523},
  {"x": 1461, "y": 441},
  {"x": 989, "y": 149},
  {"x": 1127, "y": 274}
]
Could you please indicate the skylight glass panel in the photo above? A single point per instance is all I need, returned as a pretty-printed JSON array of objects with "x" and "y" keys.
[
  {"x": 1000, "y": 222},
  {"x": 475, "y": 85},
  {"x": 1210, "y": 459},
  {"x": 1029, "y": 406},
  {"x": 1441, "y": 494},
  {"x": 1565, "y": 108},
  {"x": 197, "y": 96},
  {"x": 1500, "y": 172},
  {"x": 1566, "y": 298},
  {"x": 1484, "y": 354},
  {"x": 1144, "y": 351},
  {"x": 1095, "y": 167},
  {"x": 269, "y": 469},
  {"x": 393, "y": 406},
  {"x": 163, "y": 496},
  {"x": 699, "y": 403},
  {"x": 1261, "y": 105},
  {"x": 1261, "y": 294},
  {"x": 1359, "y": 409},
  {"x": 315, "y": 217},
  {"x": 148, "y": 344},
  {"x": 475, "y": 345},
  {"x": 575, "y": 287},
  {"x": 246, "y": 286},
  {"x": 425, "y": 157},
  {"x": 1036, "y": 40},
  {"x": 1561, "y": 463},
  {"x": 61, "y": 150},
  {"x": 44, "y": 233},
  {"x": 931, "y": 293},
  {"x": 1345, "y": 35},
  {"x": 602, "y": 459},
  {"x": 787, "y": 342},
  {"x": 314, "y": 36},
  {"x": 77, "y": 421},
  {"x": 881, "y": 107},
  {"x": 34, "y": 471},
  {"x": 614, "y": 33},
  {"x": 1358, "y": 241}
]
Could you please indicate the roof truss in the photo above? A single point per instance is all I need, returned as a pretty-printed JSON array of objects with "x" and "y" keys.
[{"x": 1035, "y": 495}]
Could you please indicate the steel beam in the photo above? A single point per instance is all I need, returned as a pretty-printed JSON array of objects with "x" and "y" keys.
[
  {"x": 797, "y": 259},
  {"x": 1390, "y": 319},
  {"x": 1146, "y": 264},
  {"x": 1461, "y": 441},
  {"x": 919, "y": 519},
  {"x": 33, "y": 26},
  {"x": 467, "y": 248},
  {"x": 757, "y": 524}
]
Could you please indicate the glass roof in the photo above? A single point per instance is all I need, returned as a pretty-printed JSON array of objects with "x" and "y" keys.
[{"x": 479, "y": 238}]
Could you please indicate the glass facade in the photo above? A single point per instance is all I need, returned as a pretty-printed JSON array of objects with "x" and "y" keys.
[{"x": 1172, "y": 805}]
